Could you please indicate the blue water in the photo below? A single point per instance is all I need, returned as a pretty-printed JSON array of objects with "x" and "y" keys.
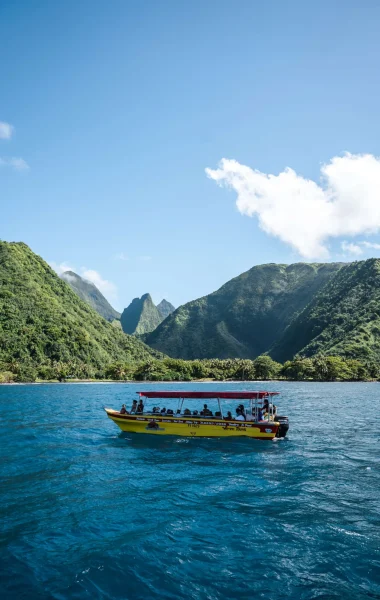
[{"x": 89, "y": 512}]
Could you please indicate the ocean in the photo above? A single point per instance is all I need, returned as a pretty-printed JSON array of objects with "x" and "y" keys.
[{"x": 88, "y": 512}]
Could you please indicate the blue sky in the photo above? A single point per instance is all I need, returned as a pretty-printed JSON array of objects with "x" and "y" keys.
[{"x": 119, "y": 107}]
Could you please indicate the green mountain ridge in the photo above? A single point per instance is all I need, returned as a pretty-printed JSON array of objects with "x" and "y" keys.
[
  {"x": 343, "y": 319},
  {"x": 88, "y": 292},
  {"x": 43, "y": 322},
  {"x": 247, "y": 316},
  {"x": 165, "y": 308},
  {"x": 141, "y": 316}
]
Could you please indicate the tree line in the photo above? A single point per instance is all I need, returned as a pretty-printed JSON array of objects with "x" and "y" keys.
[{"x": 317, "y": 368}]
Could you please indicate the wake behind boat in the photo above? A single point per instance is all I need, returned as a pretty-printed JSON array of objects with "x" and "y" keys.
[{"x": 258, "y": 420}]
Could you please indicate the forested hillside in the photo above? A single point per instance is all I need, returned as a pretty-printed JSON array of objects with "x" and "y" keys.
[
  {"x": 88, "y": 292},
  {"x": 45, "y": 327},
  {"x": 246, "y": 316},
  {"x": 343, "y": 319}
]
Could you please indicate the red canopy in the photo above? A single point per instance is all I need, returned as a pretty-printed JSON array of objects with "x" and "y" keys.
[{"x": 196, "y": 395}]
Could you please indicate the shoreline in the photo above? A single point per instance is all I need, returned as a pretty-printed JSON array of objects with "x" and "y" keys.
[{"x": 217, "y": 381}]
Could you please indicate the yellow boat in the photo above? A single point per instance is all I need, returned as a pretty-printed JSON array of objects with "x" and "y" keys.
[{"x": 258, "y": 422}]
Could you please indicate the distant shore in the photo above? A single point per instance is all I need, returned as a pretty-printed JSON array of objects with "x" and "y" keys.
[{"x": 118, "y": 381}]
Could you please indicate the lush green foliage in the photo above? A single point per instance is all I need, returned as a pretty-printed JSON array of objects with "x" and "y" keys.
[
  {"x": 141, "y": 316},
  {"x": 343, "y": 319},
  {"x": 46, "y": 330},
  {"x": 246, "y": 316},
  {"x": 281, "y": 311},
  {"x": 88, "y": 292},
  {"x": 319, "y": 368}
]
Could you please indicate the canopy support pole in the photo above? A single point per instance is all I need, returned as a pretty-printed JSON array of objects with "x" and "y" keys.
[{"x": 220, "y": 408}]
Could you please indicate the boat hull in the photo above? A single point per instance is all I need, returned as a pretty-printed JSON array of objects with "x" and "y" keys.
[{"x": 192, "y": 427}]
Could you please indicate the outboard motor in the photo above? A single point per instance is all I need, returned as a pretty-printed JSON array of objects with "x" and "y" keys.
[{"x": 284, "y": 426}]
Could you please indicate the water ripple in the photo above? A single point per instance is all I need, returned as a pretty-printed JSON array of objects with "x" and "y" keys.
[{"x": 87, "y": 512}]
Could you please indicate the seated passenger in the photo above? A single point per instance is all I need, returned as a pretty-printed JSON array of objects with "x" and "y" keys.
[
  {"x": 156, "y": 409},
  {"x": 229, "y": 416},
  {"x": 239, "y": 415},
  {"x": 169, "y": 411},
  {"x": 206, "y": 412},
  {"x": 163, "y": 411},
  {"x": 195, "y": 413},
  {"x": 134, "y": 406},
  {"x": 242, "y": 410},
  {"x": 178, "y": 411},
  {"x": 123, "y": 410},
  {"x": 140, "y": 407},
  {"x": 187, "y": 412}
]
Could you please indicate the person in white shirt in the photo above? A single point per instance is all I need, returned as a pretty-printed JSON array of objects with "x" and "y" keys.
[{"x": 239, "y": 415}]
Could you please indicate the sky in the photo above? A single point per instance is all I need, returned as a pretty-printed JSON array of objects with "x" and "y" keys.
[{"x": 168, "y": 146}]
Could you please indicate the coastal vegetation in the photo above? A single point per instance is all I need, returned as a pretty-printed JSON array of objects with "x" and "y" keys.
[{"x": 318, "y": 368}]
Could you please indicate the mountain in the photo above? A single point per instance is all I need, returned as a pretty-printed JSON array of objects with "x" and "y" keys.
[
  {"x": 88, "y": 292},
  {"x": 42, "y": 321},
  {"x": 165, "y": 308},
  {"x": 141, "y": 316},
  {"x": 246, "y": 316},
  {"x": 342, "y": 319}
]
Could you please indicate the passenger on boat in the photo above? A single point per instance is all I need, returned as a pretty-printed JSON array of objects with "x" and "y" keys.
[
  {"x": 156, "y": 409},
  {"x": 123, "y": 410},
  {"x": 187, "y": 412},
  {"x": 206, "y": 412},
  {"x": 239, "y": 415},
  {"x": 242, "y": 410},
  {"x": 163, "y": 411},
  {"x": 269, "y": 407},
  {"x": 140, "y": 407},
  {"x": 228, "y": 417},
  {"x": 134, "y": 406}
]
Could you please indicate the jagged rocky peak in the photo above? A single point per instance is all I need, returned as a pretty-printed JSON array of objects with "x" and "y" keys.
[
  {"x": 141, "y": 316},
  {"x": 165, "y": 308}
]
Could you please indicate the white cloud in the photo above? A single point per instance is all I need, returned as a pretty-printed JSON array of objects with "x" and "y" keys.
[
  {"x": 106, "y": 287},
  {"x": 121, "y": 256},
  {"x": 305, "y": 214},
  {"x": 6, "y": 131},
  {"x": 68, "y": 277},
  {"x": 351, "y": 248},
  {"x": 61, "y": 267},
  {"x": 370, "y": 245},
  {"x": 145, "y": 258},
  {"x": 18, "y": 164}
]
